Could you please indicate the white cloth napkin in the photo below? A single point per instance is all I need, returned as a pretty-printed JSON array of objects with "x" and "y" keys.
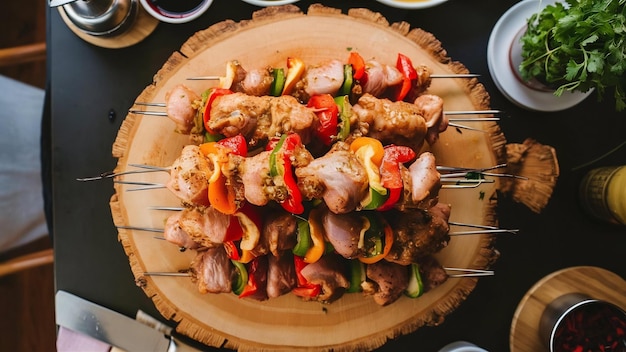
[{"x": 72, "y": 341}]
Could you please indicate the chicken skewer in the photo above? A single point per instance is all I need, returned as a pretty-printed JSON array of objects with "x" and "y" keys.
[
  {"x": 260, "y": 118},
  {"x": 183, "y": 113},
  {"x": 453, "y": 184},
  {"x": 435, "y": 75},
  {"x": 334, "y": 77},
  {"x": 340, "y": 177},
  {"x": 486, "y": 230},
  {"x": 459, "y": 172},
  {"x": 461, "y": 272},
  {"x": 427, "y": 231},
  {"x": 453, "y": 112},
  {"x": 385, "y": 282},
  {"x": 449, "y": 113}
]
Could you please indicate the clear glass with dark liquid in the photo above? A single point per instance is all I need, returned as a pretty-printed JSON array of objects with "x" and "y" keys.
[{"x": 175, "y": 8}]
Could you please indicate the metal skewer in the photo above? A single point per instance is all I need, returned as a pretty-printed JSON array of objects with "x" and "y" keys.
[
  {"x": 484, "y": 227},
  {"x": 481, "y": 232},
  {"x": 454, "y": 75},
  {"x": 461, "y": 171},
  {"x": 147, "y": 112},
  {"x": 144, "y": 185},
  {"x": 166, "y": 208},
  {"x": 452, "y": 124},
  {"x": 165, "y": 273},
  {"x": 469, "y": 272},
  {"x": 111, "y": 174},
  {"x": 462, "y": 183},
  {"x": 138, "y": 228},
  {"x": 474, "y": 112}
]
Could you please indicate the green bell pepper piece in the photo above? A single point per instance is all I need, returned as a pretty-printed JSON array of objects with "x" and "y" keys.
[
  {"x": 346, "y": 87},
  {"x": 276, "y": 168},
  {"x": 276, "y": 88},
  {"x": 345, "y": 113},
  {"x": 241, "y": 277},
  {"x": 357, "y": 275},
  {"x": 416, "y": 285},
  {"x": 303, "y": 238}
]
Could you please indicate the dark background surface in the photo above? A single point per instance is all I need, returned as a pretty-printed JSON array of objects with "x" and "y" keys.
[{"x": 87, "y": 82}]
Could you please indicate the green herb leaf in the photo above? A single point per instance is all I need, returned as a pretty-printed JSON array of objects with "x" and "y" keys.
[{"x": 578, "y": 45}]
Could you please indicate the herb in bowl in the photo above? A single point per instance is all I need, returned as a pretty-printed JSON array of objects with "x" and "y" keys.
[{"x": 578, "y": 46}]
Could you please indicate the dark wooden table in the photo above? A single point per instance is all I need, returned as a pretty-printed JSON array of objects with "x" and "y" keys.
[{"x": 91, "y": 89}]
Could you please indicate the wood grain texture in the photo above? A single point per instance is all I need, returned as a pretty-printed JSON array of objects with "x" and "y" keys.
[
  {"x": 27, "y": 304},
  {"x": 24, "y": 23},
  {"x": 288, "y": 323},
  {"x": 595, "y": 282}
]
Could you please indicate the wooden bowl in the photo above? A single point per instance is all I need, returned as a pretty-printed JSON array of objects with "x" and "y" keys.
[{"x": 288, "y": 323}]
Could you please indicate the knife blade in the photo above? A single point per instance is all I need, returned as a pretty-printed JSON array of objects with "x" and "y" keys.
[{"x": 116, "y": 329}]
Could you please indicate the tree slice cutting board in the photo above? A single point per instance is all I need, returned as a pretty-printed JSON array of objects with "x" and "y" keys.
[{"x": 287, "y": 323}]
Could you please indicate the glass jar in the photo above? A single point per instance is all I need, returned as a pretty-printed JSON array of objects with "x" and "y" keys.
[{"x": 603, "y": 194}]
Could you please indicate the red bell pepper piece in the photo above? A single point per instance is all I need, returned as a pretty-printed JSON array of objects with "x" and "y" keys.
[
  {"x": 283, "y": 151},
  {"x": 293, "y": 203},
  {"x": 390, "y": 172},
  {"x": 234, "y": 232},
  {"x": 307, "y": 291},
  {"x": 232, "y": 250},
  {"x": 304, "y": 288},
  {"x": 405, "y": 66},
  {"x": 256, "y": 287},
  {"x": 327, "y": 113},
  {"x": 358, "y": 65},
  {"x": 237, "y": 144},
  {"x": 217, "y": 92}
]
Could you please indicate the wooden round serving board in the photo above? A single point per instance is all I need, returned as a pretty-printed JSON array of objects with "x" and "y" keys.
[
  {"x": 595, "y": 282},
  {"x": 288, "y": 323}
]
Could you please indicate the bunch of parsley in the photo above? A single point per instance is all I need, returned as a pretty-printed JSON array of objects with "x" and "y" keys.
[{"x": 578, "y": 46}]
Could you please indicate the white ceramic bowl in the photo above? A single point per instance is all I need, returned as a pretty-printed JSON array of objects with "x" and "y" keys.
[
  {"x": 501, "y": 42},
  {"x": 175, "y": 17},
  {"x": 266, "y": 3},
  {"x": 414, "y": 4},
  {"x": 461, "y": 346}
]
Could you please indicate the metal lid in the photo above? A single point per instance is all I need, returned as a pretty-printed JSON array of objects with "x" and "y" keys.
[{"x": 101, "y": 17}]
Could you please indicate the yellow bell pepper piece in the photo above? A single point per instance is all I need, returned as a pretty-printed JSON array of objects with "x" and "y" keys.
[
  {"x": 370, "y": 152},
  {"x": 227, "y": 81},
  {"x": 315, "y": 252},
  {"x": 251, "y": 232},
  {"x": 295, "y": 69}
]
